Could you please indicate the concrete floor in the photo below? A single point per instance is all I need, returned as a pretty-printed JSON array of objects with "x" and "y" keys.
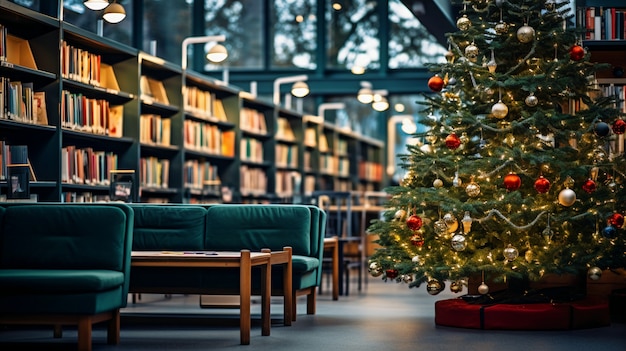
[{"x": 384, "y": 316}]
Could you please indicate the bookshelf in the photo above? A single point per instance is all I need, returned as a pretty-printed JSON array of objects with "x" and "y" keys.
[{"x": 90, "y": 105}]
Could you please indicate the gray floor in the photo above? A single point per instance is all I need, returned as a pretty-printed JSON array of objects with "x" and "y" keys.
[{"x": 385, "y": 316}]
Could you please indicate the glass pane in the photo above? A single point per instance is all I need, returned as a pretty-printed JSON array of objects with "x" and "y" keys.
[
  {"x": 77, "y": 14},
  {"x": 166, "y": 24},
  {"x": 410, "y": 44},
  {"x": 353, "y": 34},
  {"x": 241, "y": 21},
  {"x": 31, "y": 4},
  {"x": 293, "y": 29}
]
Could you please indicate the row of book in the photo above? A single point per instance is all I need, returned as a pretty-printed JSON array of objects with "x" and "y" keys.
[
  {"x": 80, "y": 65},
  {"x": 285, "y": 183},
  {"x": 86, "y": 165},
  {"x": 283, "y": 130},
  {"x": 251, "y": 150},
  {"x": 252, "y": 120},
  {"x": 198, "y": 174},
  {"x": 287, "y": 155},
  {"x": 204, "y": 104},
  {"x": 618, "y": 91},
  {"x": 96, "y": 116},
  {"x": 209, "y": 138},
  {"x": 154, "y": 172},
  {"x": 154, "y": 129},
  {"x": 602, "y": 23},
  {"x": 153, "y": 90},
  {"x": 371, "y": 171},
  {"x": 20, "y": 102},
  {"x": 253, "y": 181},
  {"x": 11, "y": 155},
  {"x": 334, "y": 165}
]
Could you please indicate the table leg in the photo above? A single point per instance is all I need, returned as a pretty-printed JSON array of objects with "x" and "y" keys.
[
  {"x": 288, "y": 289},
  {"x": 335, "y": 269},
  {"x": 341, "y": 267},
  {"x": 245, "y": 276},
  {"x": 266, "y": 292}
]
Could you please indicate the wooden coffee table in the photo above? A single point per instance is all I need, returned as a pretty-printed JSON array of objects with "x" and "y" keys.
[{"x": 244, "y": 259}]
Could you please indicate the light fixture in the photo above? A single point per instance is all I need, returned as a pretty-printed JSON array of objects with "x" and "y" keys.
[
  {"x": 291, "y": 79},
  {"x": 199, "y": 40},
  {"x": 365, "y": 94},
  {"x": 300, "y": 89},
  {"x": 96, "y": 5},
  {"x": 217, "y": 53},
  {"x": 380, "y": 103},
  {"x": 114, "y": 13},
  {"x": 329, "y": 106}
]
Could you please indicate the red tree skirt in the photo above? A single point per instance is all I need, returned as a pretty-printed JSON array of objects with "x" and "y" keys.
[{"x": 587, "y": 313}]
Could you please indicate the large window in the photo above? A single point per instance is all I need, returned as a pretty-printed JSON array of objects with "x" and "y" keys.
[
  {"x": 293, "y": 27},
  {"x": 242, "y": 23},
  {"x": 166, "y": 24}
]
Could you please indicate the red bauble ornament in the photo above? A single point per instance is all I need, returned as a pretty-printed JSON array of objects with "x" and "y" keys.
[
  {"x": 619, "y": 126},
  {"x": 576, "y": 53},
  {"x": 512, "y": 182},
  {"x": 453, "y": 141},
  {"x": 542, "y": 185},
  {"x": 435, "y": 83},
  {"x": 616, "y": 220},
  {"x": 414, "y": 222},
  {"x": 417, "y": 240},
  {"x": 589, "y": 186},
  {"x": 392, "y": 273}
]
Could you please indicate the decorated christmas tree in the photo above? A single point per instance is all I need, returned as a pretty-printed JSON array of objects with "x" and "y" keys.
[{"x": 521, "y": 170}]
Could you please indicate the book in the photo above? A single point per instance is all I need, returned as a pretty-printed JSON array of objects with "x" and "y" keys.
[
  {"x": 116, "y": 122},
  {"x": 41, "y": 115}
]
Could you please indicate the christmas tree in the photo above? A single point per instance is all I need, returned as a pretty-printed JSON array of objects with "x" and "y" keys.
[{"x": 521, "y": 170}]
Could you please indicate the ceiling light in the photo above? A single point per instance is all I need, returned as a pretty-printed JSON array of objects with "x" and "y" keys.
[
  {"x": 114, "y": 13},
  {"x": 96, "y": 5},
  {"x": 356, "y": 69},
  {"x": 365, "y": 95},
  {"x": 300, "y": 89},
  {"x": 217, "y": 53},
  {"x": 380, "y": 103}
]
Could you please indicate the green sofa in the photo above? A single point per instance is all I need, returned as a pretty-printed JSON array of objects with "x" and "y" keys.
[
  {"x": 229, "y": 227},
  {"x": 65, "y": 264}
]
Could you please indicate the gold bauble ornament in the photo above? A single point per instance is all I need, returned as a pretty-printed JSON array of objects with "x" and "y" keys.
[
  {"x": 463, "y": 23},
  {"x": 501, "y": 28},
  {"x": 567, "y": 197},
  {"x": 437, "y": 183},
  {"x": 499, "y": 110},
  {"x": 451, "y": 222},
  {"x": 440, "y": 227},
  {"x": 510, "y": 253},
  {"x": 472, "y": 189},
  {"x": 375, "y": 270},
  {"x": 529, "y": 255},
  {"x": 434, "y": 286},
  {"x": 525, "y": 34},
  {"x": 456, "y": 286}
]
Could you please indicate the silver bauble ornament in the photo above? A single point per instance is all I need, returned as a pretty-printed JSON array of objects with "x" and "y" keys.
[
  {"x": 499, "y": 110},
  {"x": 525, "y": 34},
  {"x": 407, "y": 278},
  {"x": 531, "y": 100},
  {"x": 440, "y": 227},
  {"x": 471, "y": 52},
  {"x": 510, "y": 253},
  {"x": 375, "y": 270},
  {"x": 399, "y": 215},
  {"x": 456, "y": 181},
  {"x": 434, "y": 286},
  {"x": 458, "y": 242},
  {"x": 594, "y": 273},
  {"x": 567, "y": 197},
  {"x": 463, "y": 23},
  {"x": 483, "y": 288}
]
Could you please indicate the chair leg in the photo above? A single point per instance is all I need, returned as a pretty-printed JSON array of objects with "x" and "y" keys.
[
  {"x": 84, "y": 334},
  {"x": 310, "y": 302},
  {"x": 113, "y": 330}
]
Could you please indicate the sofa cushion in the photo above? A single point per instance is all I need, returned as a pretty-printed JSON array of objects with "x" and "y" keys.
[
  {"x": 301, "y": 264},
  {"x": 254, "y": 227},
  {"x": 169, "y": 227},
  {"x": 58, "y": 280},
  {"x": 63, "y": 237}
]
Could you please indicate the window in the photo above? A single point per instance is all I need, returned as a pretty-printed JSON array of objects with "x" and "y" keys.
[
  {"x": 166, "y": 24},
  {"x": 294, "y": 31}
]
